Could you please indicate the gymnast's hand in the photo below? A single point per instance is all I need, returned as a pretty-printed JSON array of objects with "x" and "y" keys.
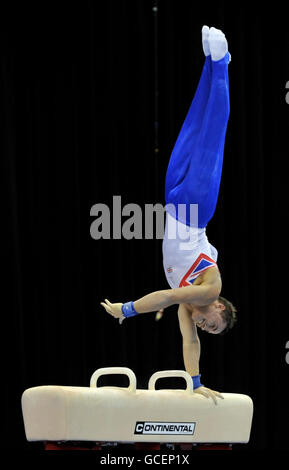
[
  {"x": 208, "y": 393},
  {"x": 114, "y": 310}
]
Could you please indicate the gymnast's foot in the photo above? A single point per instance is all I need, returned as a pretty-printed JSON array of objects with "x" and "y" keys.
[
  {"x": 218, "y": 44},
  {"x": 205, "y": 40}
]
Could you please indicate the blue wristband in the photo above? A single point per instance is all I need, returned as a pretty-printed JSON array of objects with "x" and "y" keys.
[
  {"x": 196, "y": 381},
  {"x": 128, "y": 309}
]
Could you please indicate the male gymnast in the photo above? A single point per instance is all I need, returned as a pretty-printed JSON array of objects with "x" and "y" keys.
[{"x": 193, "y": 178}]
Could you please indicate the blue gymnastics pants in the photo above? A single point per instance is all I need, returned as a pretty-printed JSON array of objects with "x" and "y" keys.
[{"x": 195, "y": 167}]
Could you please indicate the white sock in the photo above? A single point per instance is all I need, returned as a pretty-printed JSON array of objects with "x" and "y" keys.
[
  {"x": 217, "y": 43},
  {"x": 205, "y": 40}
]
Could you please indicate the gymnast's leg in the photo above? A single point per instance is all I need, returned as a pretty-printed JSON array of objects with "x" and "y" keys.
[
  {"x": 204, "y": 152},
  {"x": 181, "y": 155}
]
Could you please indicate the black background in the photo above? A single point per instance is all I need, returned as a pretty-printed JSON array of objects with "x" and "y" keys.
[{"x": 78, "y": 107}]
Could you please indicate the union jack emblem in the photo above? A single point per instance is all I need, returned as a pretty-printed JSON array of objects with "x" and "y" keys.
[{"x": 202, "y": 263}]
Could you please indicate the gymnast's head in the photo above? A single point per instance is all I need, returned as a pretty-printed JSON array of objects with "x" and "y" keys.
[{"x": 217, "y": 318}]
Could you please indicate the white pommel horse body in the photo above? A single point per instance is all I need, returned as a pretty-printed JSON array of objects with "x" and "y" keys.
[{"x": 62, "y": 414}]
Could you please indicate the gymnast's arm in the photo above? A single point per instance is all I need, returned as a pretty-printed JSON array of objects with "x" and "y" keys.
[
  {"x": 191, "y": 342},
  {"x": 201, "y": 295},
  {"x": 192, "y": 350}
]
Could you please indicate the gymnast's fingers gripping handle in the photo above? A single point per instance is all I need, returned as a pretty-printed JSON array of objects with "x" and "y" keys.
[
  {"x": 172, "y": 373},
  {"x": 114, "y": 370}
]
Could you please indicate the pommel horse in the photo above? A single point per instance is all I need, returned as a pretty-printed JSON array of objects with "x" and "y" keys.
[{"x": 61, "y": 416}]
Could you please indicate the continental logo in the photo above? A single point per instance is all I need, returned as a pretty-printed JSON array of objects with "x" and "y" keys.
[{"x": 157, "y": 427}]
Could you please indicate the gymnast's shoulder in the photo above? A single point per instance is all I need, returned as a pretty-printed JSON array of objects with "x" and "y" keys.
[
  {"x": 211, "y": 276},
  {"x": 206, "y": 289}
]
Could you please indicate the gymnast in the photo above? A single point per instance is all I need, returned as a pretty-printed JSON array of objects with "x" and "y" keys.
[{"x": 193, "y": 177}]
